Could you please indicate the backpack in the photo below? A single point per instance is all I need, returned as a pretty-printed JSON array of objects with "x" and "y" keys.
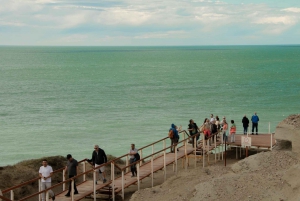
[
  {"x": 137, "y": 157},
  {"x": 171, "y": 134}
]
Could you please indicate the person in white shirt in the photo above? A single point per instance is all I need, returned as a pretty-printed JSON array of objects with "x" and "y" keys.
[
  {"x": 45, "y": 174},
  {"x": 212, "y": 119}
]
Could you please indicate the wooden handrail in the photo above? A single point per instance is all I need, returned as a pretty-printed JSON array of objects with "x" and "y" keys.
[
  {"x": 33, "y": 180},
  {"x": 4, "y": 198},
  {"x": 193, "y": 136}
]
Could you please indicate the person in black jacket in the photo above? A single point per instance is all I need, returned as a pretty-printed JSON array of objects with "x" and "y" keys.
[
  {"x": 245, "y": 122},
  {"x": 98, "y": 158}
]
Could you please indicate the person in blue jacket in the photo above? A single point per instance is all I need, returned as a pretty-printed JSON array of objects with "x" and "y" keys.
[
  {"x": 175, "y": 138},
  {"x": 255, "y": 120}
]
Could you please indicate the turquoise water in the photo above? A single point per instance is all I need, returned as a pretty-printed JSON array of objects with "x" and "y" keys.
[{"x": 60, "y": 100}]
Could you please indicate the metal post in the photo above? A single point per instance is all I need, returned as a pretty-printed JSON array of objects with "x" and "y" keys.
[
  {"x": 64, "y": 179},
  {"x": 94, "y": 184},
  {"x": 84, "y": 169},
  {"x": 269, "y": 127},
  {"x": 138, "y": 176},
  {"x": 152, "y": 175},
  {"x": 123, "y": 191},
  {"x": 72, "y": 189},
  {"x": 40, "y": 187},
  {"x": 12, "y": 195}
]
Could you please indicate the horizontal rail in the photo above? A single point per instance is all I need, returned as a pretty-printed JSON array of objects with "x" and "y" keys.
[
  {"x": 193, "y": 136},
  {"x": 4, "y": 198},
  {"x": 33, "y": 180}
]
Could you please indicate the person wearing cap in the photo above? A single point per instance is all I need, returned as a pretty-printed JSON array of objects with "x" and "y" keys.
[
  {"x": 254, "y": 120},
  {"x": 45, "y": 173},
  {"x": 72, "y": 170},
  {"x": 98, "y": 158}
]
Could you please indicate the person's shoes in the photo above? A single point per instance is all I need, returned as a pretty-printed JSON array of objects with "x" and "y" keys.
[
  {"x": 252, "y": 134},
  {"x": 67, "y": 195},
  {"x": 256, "y": 133},
  {"x": 104, "y": 180},
  {"x": 96, "y": 182},
  {"x": 177, "y": 149},
  {"x": 76, "y": 193},
  {"x": 53, "y": 198}
]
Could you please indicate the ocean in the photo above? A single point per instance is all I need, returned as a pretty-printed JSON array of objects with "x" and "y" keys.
[{"x": 61, "y": 100}]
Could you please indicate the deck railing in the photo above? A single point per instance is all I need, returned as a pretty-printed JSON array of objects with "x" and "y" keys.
[{"x": 125, "y": 169}]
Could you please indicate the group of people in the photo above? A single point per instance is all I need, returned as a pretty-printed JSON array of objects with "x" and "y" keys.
[
  {"x": 213, "y": 126},
  {"x": 71, "y": 169}
]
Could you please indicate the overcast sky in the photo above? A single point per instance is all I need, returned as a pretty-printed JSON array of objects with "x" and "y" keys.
[{"x": 149, "y": 22}]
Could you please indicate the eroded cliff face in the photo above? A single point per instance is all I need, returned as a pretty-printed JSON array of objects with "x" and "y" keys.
[{"x": 287, "y": 134}]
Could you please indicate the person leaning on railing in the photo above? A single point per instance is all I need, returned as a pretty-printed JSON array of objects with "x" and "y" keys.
[{"x": 45, "y": 173}]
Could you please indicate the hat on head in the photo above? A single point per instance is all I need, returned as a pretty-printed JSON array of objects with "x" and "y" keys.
[{"x": 69, "y": 156}]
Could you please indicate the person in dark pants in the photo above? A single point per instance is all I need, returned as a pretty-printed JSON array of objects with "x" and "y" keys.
[
  {"x": 254, "y": 120},
  {"x": 245, "y": 122},
  {"x": 98, "y": 158},
  {"x": 175, "y": 138},
  {"x": 71, "y": 169},
  {"x": 193, "y": 129},
  {"x": 132, "y": 153}
]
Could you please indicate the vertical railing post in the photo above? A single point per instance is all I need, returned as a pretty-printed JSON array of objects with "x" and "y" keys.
[
  {"x": 185, "y": 153},
  {"x": 271, "y": 145},
  {"x": 94, "y": 184},
  {"x": 215, "y": 141},
  {"x": 152, "y": 162},
  {"x": 176, "y": 159},
  {"x": 12, "y": 195},
  {"x": 123, "y": 191},
  {"x": 203, "y": 149},
  {"x": 64, "y": 179},
  {"x": 208, "y": 155},
  {"x": 113, "y": 180},
  {"x": 152, "y": 171},
  {"x": 47, "y": 195},
  {"x": 141, "y": 154},
  {"x": 40, "y": 187},
  {"x": 138, "y": 176},
  {"x": 84, "y": 170},
  {"x": 195, "y": 149},
  {"x": 72, "y": 189},
  {"x": 165, "y": 169},
  {"x": 127, "y": 163},
  {"x": 269, "y": 127}
]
